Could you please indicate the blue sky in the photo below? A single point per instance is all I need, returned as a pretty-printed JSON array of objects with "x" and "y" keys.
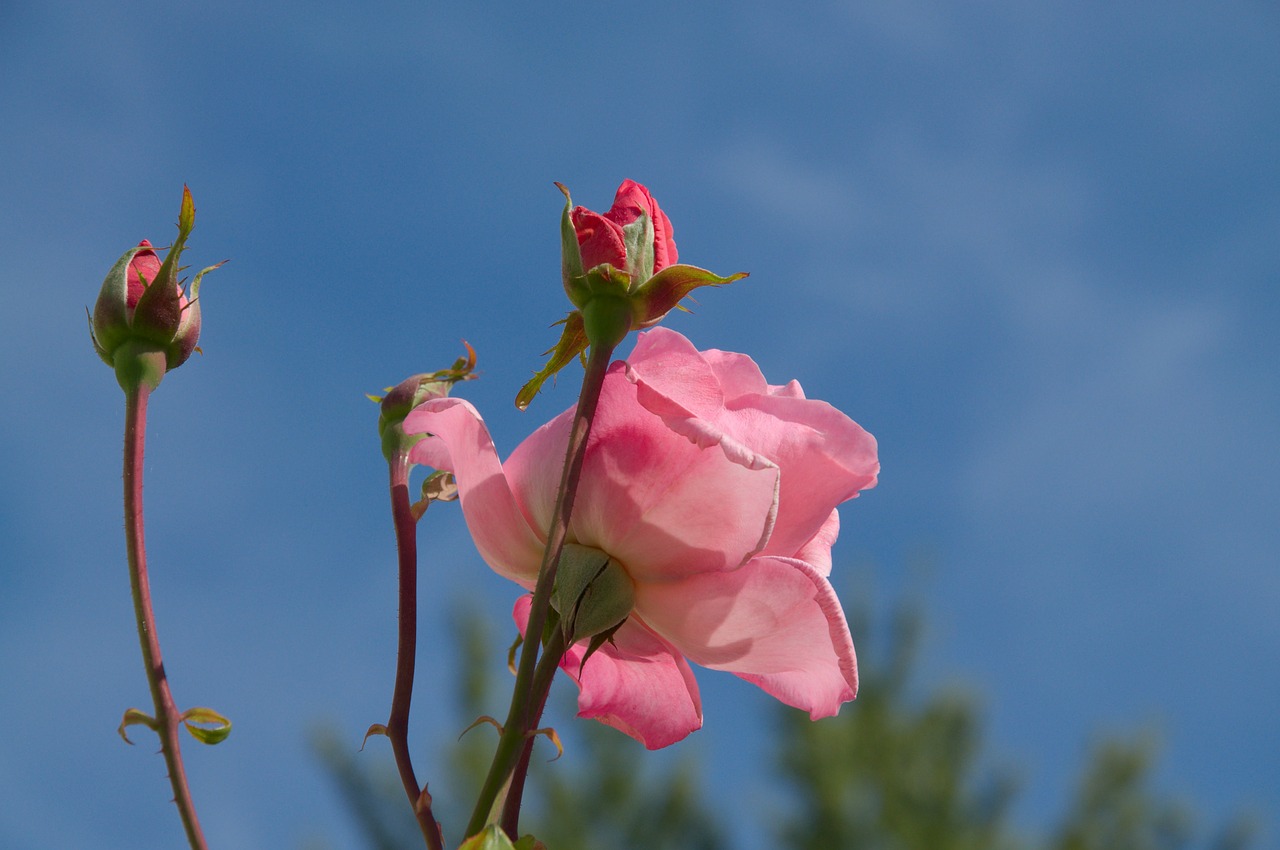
[{"x": 1031, "y": 247}]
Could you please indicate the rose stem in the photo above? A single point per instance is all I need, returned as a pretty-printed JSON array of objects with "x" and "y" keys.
[
  {"x": 167, "y": 720},
  {"x": 542, "y": 678},
  {"x": 398, "y": 724},
  {"x": 525, "y": 710}
]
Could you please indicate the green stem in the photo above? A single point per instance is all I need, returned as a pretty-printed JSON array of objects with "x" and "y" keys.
[
  {"x": 542, "y": 678},
  {"x": 522, "y": 716},
  {"x": 398, "y": 723},
  {"x": 167, "y": 718}
]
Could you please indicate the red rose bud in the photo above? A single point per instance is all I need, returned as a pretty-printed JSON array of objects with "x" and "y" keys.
[
  {"x": 145, "y": 322},
  {"x": 620, "y": 273}
]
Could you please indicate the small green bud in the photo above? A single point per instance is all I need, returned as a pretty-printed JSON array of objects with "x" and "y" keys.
[
  {"x": 401, "y": 399},
  {"x": 620, "y": 273}
]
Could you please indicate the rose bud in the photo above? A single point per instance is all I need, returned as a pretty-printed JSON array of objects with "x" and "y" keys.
[{"x": 145, "y": 321}]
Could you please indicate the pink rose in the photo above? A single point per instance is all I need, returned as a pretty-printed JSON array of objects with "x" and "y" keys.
[
  {"x": 601, "y": 238},
  {"x": 717, "y": 494}
]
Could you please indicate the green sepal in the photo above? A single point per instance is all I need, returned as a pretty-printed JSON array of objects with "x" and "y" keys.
[
  {"x": 598, "y": 641},
  {"x": 110, "y": 324},
  {"x": 575, "y": 283},
  {"x": 592, "y": 594},
  {"x": 214, "y": 728},
  {"x": 186, "y": 214},
  {"x": 134, "y": 717},
  {"x": 158, "y": 312},
  {"x": 491, "y": 838},
  {"x": 573, "y": 342},
  {"x": 549, "y": 626},
  {"x": 638, "y": 239},
  {"x": 528, "y": 842},
  {"x": 93, "y": 337},
  {"x": 186, "y": 223},
  {"x": 195, "y": 282},
  {"x": 401, "y": 400},
  {"x": 662, "y": 293},
  {"x": 188, "y": 333}
]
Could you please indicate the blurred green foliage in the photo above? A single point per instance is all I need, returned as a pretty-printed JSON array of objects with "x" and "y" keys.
[{"x": 902, "y": 768}]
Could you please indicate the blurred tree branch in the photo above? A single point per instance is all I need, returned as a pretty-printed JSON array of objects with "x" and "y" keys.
[{"x": 904, "y": 767}]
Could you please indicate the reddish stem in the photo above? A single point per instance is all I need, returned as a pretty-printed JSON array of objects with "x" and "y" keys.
[
  {"x": 406, "y": 652},
  {"x": 526, "y": 706},
  {"x": 542, "y": 678},
  {"x": 167, "y": 718}
]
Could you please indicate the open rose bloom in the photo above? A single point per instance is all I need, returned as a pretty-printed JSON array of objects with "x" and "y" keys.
[{"x": 716, "y": 492}]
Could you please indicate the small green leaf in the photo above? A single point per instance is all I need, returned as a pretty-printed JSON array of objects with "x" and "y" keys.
[
  {"x": 213, "y": 728},
  {"x": 511, "y": 653},
  {"x": 439, "y": 486},
  {"x": 375, "y": 729},
  {"x": 552, "y": 737},
  {"x": 484, "y": 718},
  {"x": 528, "y": 842},
  {"x": 573, "y": 342},
  {"x": 134, "y": 717}
]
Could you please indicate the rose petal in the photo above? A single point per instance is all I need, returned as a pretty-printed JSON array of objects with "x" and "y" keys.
[
  {"x": 674, "y": 382},
  {"x": 683, "y": 384},
  {"x": 737, "y": 373},
  {"x": 776, "y": 622},
  {"x": 145, "y": 265},
  {"x": 791, "y": 389},
  {"x": 631, "y": 200},
  {"x": 817, "y": 552},
  {"x": 825, "y": 458},
  {"x": 534, "y": 470},
  {"x": 461, "y": 444},
  {"x": 637, "y": 684},
  {"x": 656, "y": 502},
  {"x": 720, "y": 398},
  {"x": 599, "y": 239}
]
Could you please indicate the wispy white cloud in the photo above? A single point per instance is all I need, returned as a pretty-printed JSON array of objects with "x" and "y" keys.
[{"x": 814, "y": 200}]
